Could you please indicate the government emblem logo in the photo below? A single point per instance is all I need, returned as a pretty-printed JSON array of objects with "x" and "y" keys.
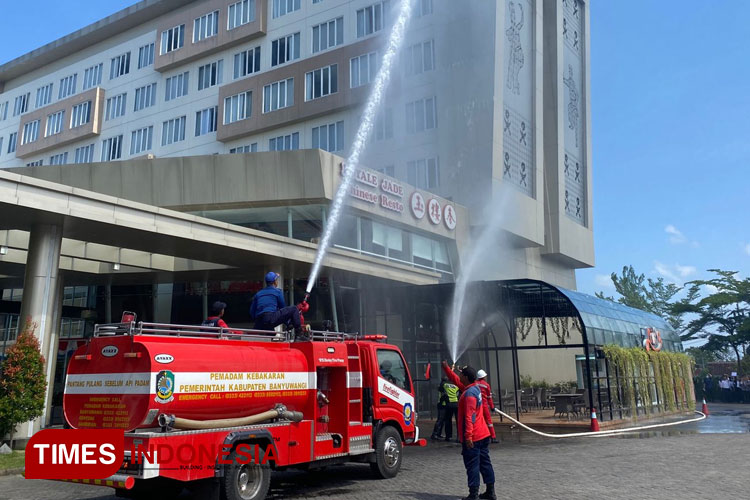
[{"x": 164, "y": 386}]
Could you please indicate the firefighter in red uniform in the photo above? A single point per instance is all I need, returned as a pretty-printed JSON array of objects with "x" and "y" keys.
[
  {"x": 475, "y": 437},
  {"x": 484, "y": 386},
  {"x": 485, "y": 407}
]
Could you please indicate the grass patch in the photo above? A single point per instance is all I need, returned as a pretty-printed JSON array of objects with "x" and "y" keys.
[{"x": 13, "y": 461}]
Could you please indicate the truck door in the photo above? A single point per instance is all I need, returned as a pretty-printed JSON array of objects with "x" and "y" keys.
[{"x": 394, "y": 398}]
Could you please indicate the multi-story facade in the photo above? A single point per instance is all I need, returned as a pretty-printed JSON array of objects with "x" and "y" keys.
[{"x": 484, "y": 96}]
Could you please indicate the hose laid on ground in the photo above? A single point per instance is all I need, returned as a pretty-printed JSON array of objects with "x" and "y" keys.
[
  {"x": 279, "y": 411},
  {"x": 602, "y": 433}
]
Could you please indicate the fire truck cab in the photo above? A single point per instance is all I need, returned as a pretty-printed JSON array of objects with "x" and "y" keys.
[{"x": 215, "y": 409}]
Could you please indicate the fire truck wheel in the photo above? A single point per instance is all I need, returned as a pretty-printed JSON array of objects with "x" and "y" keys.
[
  {"x": 245, "y": 481},
  {"x": 388, "y": 449}
]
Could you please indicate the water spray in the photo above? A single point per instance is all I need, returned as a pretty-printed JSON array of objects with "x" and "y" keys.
[{"x": 365, "y": 127}]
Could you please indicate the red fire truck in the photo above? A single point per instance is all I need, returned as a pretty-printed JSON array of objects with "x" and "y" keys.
[{"x": 191, "y": 397}]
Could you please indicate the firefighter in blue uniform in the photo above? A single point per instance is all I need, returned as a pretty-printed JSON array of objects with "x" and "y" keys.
[{"x": 269, "y": 310}]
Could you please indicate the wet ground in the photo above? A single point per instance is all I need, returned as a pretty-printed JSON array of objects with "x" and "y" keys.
[{"x": 700, "y": 460}]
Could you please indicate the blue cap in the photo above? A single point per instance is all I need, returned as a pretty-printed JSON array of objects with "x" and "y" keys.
[{"x": 271, "y": 277}]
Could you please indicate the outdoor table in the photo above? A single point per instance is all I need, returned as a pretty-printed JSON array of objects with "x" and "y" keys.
[{"x": 564, "y": 403}]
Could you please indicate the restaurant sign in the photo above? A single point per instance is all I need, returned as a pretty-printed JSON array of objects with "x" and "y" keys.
[{"x": 389, "y": 194}]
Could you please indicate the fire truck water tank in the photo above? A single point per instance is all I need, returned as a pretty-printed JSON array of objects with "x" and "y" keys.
[{"x": 125, "y": 382}]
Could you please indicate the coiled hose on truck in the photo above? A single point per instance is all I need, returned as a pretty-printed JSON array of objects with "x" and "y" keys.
[{"x": 279, "y": 411}]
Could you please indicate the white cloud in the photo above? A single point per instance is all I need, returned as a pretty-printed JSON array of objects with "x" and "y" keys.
[
  {"x": 685, "y": 271},
  {"x": 747, "y": 248},
  {"x": 604, "y": 281},
  {"x": 674, "y": 273},
  {"x": 710, "y": 289},
  {"x": 675, "y": 235}
]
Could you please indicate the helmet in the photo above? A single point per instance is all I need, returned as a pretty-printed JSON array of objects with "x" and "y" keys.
[
  {"x": 481, "y": 374},
  {"x": 271, "y": 277}
]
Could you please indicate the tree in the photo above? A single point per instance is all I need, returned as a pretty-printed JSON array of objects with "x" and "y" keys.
[
  {"x": 722, "y": 317},
  {"x": 655, "y": 296},
  {"x": 23, "y": 385}
]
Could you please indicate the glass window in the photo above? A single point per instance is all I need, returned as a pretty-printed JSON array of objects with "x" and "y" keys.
[{"x": 393, "y": 369}]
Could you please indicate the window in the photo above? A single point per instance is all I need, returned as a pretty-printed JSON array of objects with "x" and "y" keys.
[
  {"x": 206, "y": 26},
  {"x": 238, "y": 107},
  {"x": 384, "y": 124},
  {"x": 419, "y": 58},
  {"x": 250, "y": 148},
  {"x": 173, "y": 131},
  {"x": 285, "y": 49},
  {"x": 177, "y": 86},
  {"x": 321, "y": 82},
  {"x": 146, "y": 55},
  {"x": 371, "y": 19},
  {"x": 278, "y": 95},
  {"x": 30, "y": 132},
  {"x": 12, "y": 142},
  {"x": 210, "y": 74},
  {"x": 393, "y": 369},
  {"x": 54, "y": 123},
  {"x": 423, "y": 7},
  {"x": 329, "y": 137},
  {"x": 388, "y": 170},
  {"x": 246, "y": 62},
  {"x": 328, "y": 34},
  {"x": 205, "y": 121},
  {"x": 112, "y": 148},
  {"x": 284, "y": 142},
  {"x": 92, "y": 76},
  {"x": 141, "y": 140},
  {"x": 424, "y": 173},
  {"x": 44, "y": 95},
  {"x": 172, "y": 39},
  {"x": 115, "y": 106},
  {"x": 81, "y": 114},
  {"x": 1, "y": 145},
  {"x": 84, "y": 154},
  {"x": 316, "y": 1},
  {"x": 362, "y": 69},
  {"x": 119, "y": 66},
  {"x": 241, "y": 13},
  {"x": 281, "y": 7},
  {"x": 59, "y": 159},
  {"x": 21, "y": 104},
  {"x": 67, "y": 86},
  {"x": 421, "y": 115},
  {"x": 145, "y": 97},
  {"x": 3, "y": 111},
  {"x": 37, "y": 163}
]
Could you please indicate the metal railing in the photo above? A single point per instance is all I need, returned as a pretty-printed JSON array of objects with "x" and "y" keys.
[{"x": 199, "y": 331}]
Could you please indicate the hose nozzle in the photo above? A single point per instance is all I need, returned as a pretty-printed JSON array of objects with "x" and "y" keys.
[{"x": 307, "y": 296}]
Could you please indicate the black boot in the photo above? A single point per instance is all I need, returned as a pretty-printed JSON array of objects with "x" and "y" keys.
[
  {"x": 490, "y": 493},
  {"x": 473, "y": 494}
]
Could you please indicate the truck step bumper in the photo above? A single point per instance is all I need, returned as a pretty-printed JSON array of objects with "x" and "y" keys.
[{"x": 120, "y": 481}]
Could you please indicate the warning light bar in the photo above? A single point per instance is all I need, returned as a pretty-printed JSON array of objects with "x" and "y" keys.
[{"x": 375, "y": 337}]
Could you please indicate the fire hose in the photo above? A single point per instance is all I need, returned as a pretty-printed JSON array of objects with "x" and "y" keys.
[
  {"x": 279, "y": 411},
  {"x": 602, "y": 433}
]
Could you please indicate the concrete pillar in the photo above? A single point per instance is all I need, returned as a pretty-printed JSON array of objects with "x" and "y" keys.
[
  {"x": 51, "y": 353},
  {"x": 108, "y": 303},
  {"x": 40, "y": 291},
  {"x": 205, "y": 299}
]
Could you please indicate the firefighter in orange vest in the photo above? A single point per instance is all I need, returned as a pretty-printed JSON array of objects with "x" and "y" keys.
[
  {"x": 485, "y": 407},
  {"x": 484, "y": 386}
]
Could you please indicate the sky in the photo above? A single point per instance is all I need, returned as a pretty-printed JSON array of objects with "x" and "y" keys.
[{"x": 670, "y": 82}]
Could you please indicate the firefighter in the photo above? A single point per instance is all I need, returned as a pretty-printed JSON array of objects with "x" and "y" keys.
[
  {"x": 216, "y": 319},
  {"x": 475, "y": 437},
  {"x": 442, "y": 403},
  {"x": 269, "y": 310},
  {"x": 485, "y": 408},
  {"x": 487, "y": 395},
  {"x": 451, "y": 409}
]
